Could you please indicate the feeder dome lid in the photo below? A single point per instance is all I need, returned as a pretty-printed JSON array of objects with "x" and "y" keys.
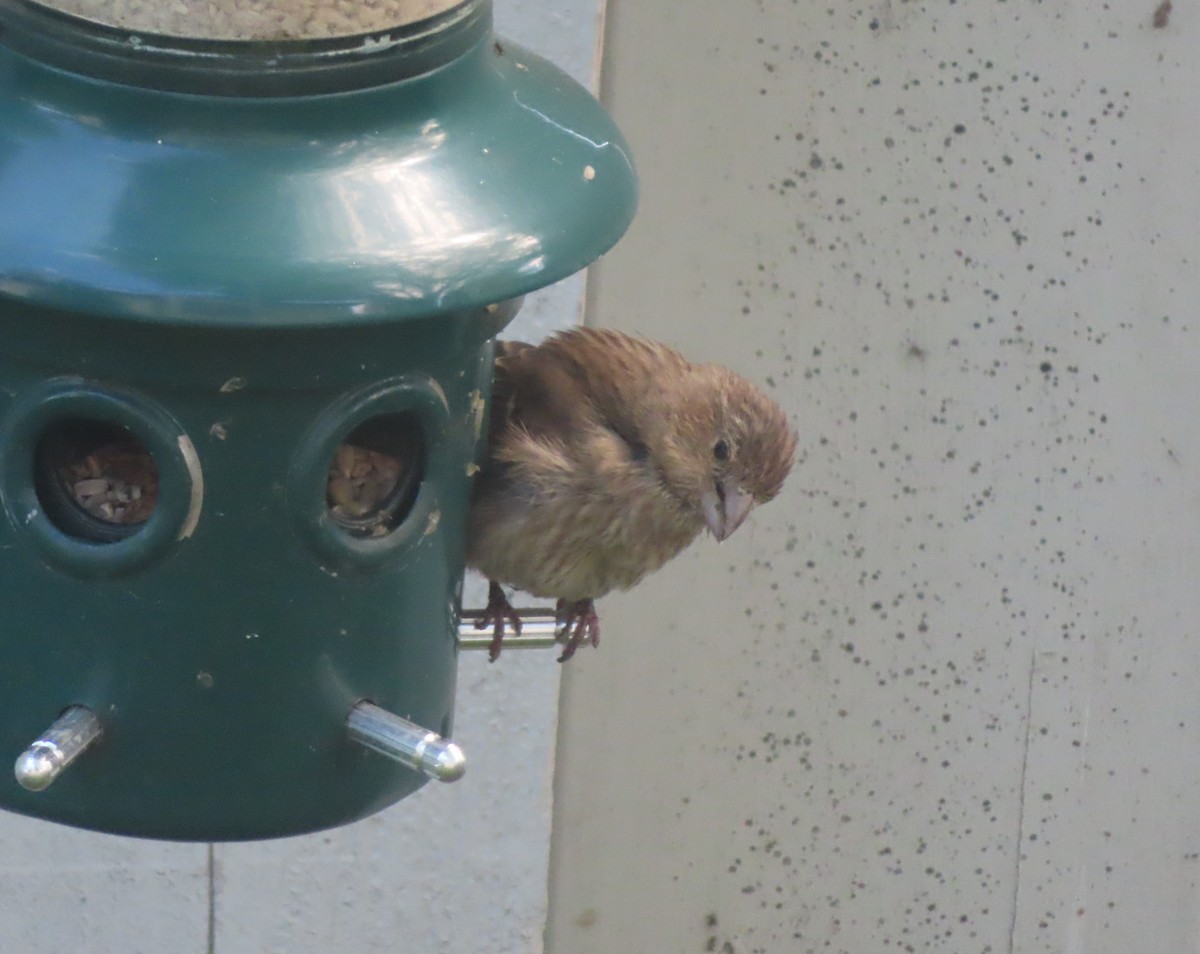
[{"x": 352, "y": 180}]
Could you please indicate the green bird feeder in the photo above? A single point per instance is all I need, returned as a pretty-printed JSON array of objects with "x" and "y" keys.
[{"x": 252, "y": 262}]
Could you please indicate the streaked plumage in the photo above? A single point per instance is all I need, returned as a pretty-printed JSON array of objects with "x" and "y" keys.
[{"x": 608, "y": 454}]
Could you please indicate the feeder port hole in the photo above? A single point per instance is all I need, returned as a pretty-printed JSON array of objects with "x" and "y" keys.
[
  {"x": 375, "y": 474},
  {"x": 95, "y": 480}
]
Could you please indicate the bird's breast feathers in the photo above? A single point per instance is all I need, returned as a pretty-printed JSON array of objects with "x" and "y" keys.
[{"x": 554, "y": 526}]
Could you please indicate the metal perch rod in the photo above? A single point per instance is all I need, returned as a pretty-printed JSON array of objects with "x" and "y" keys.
[
  {"x": 538, "y": 628},
  {"x": 56, "y": 748},
  {"x": 409, "y": 744}
]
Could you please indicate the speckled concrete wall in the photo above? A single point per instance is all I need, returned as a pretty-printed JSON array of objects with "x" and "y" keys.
[
  {"x": 940, "y": 696},
  {"x": 453, "y": 870}
]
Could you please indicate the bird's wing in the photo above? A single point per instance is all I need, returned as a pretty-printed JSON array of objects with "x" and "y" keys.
[
  {"x": 536, "y": 392},
  {"x": 508, "y": 354}
]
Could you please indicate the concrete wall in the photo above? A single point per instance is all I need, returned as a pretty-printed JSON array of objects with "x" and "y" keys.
[
  {"x": 940, "y": 696},
  {"x": 480, "y": 846}
]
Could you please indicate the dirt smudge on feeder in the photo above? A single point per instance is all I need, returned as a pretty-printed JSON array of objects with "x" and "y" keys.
[
  {"x": 477, "y": 409},
  {"x": 1162, "y": 15},
  {"x": 233, "y": 384},
  {"x": 589, "y": 173},
  {"x": 472, "y": 469},
  {"x": 219, "y": 431},
  {"x": 191, "y": 460},
  {"x": 434, "y": 519}
]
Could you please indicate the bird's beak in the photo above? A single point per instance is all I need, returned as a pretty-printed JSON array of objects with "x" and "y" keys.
[{"x": 725, "y": 507}]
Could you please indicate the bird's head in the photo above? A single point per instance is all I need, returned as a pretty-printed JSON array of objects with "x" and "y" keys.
[{"x": 731, "y": 448}]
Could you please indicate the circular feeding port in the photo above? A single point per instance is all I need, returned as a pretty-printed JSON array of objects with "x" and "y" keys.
[
  {"x": 95, "y": 480},
  {"x": 375, "y": 474}
]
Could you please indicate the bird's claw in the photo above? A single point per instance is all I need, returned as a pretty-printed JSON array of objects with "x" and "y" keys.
[
  {"x": 498, "y": 611},
  {"x": 579, "y": 622}
]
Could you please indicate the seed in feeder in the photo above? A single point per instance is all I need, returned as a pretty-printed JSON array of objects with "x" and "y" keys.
[
  {"x": 255, "y": 19},
  {"x": 374, "y": 475},
  {"x": 116, "y": 483},
  {"x": 360, "y": 482},
  {"x": 90, "y": 487}
]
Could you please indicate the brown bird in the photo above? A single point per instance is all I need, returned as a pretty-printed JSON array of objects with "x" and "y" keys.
[{"x": 607, "y": 455}]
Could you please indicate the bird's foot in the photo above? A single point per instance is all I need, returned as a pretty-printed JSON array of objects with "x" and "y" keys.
[
  {"x": 498, "y": 611},
  {"x": 579, "y": 622}
]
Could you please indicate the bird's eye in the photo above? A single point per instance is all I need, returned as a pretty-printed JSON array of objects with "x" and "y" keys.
[{"x": 721, "y": 449}]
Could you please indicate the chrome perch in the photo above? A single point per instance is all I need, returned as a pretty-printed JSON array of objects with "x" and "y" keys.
[
  {"x": 56, "y": 748},
  {"x": 405, "y": 742},
  {"x": 538, "y": 628}
]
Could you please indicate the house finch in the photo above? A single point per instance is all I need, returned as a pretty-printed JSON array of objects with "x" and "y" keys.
[{"x": 607, "y": 455}]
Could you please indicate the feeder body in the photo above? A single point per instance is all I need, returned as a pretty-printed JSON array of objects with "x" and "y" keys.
[
  {"x": 223, "y": 665},
  {"x": 238, "y": 280}
]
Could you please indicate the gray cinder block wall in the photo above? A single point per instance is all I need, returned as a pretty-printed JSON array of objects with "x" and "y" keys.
[{"x": 940, "y": 696}]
